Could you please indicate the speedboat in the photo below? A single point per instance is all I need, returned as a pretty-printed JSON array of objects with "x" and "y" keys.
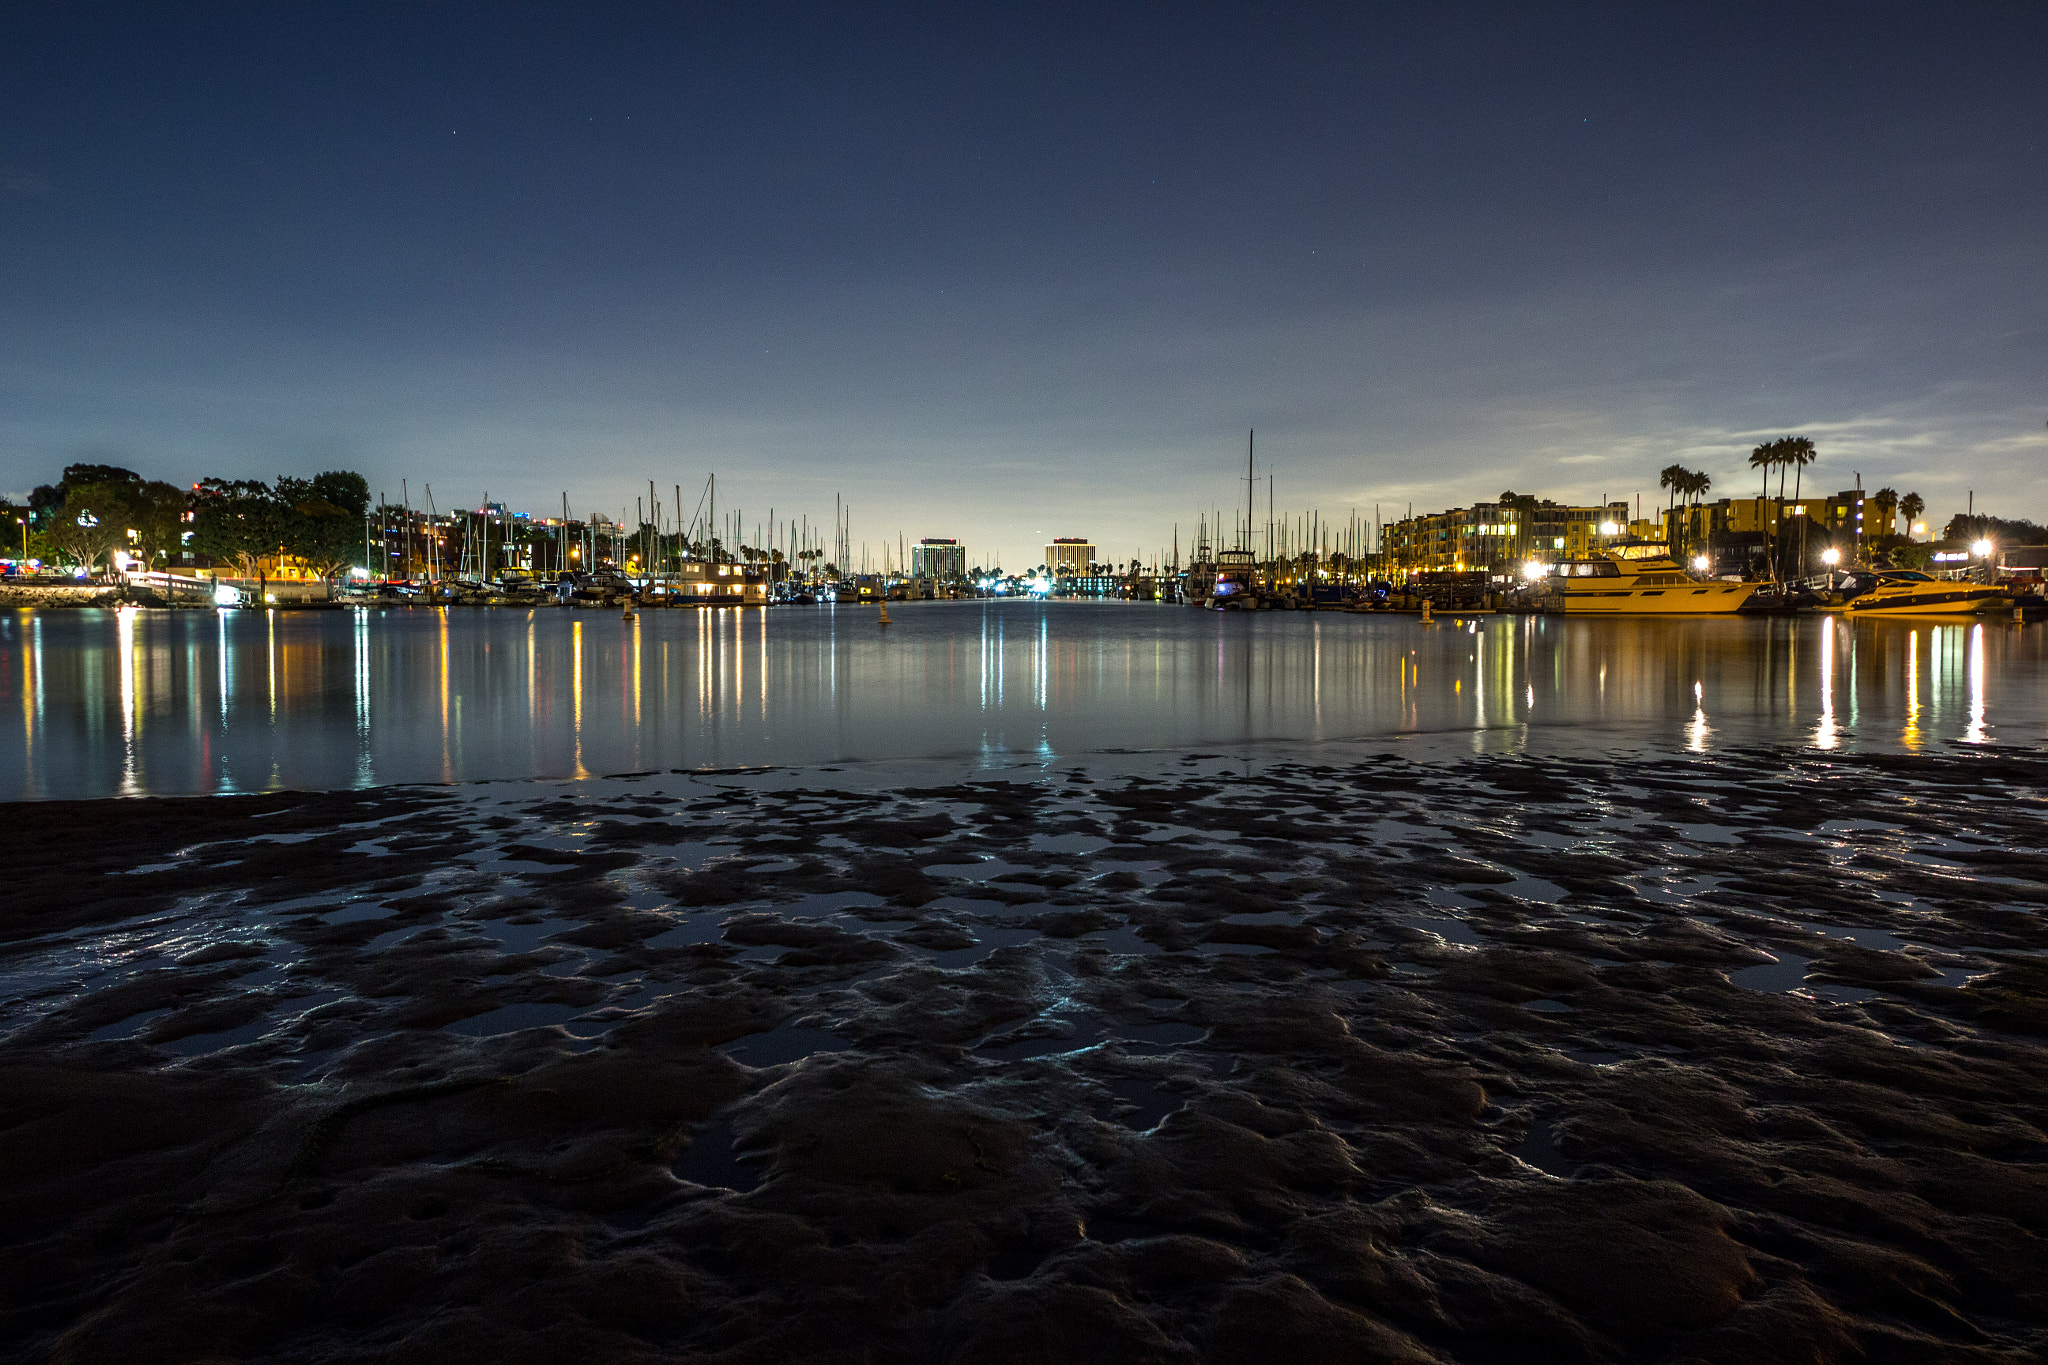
[
  {"x": 1637, "y": 580},
  {"x": 1908, "y": 592}
]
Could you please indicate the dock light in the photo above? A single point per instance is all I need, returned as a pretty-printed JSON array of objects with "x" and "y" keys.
[
  {"x": 1981, "y": 549},
  {"x": 1831, "y": 556},
  {"x": 225, "y": 596},
  {"x": 1608, "y": 528},
  {"x": 1701, "y": 563},
  {"x": 1533, "y": 571}
]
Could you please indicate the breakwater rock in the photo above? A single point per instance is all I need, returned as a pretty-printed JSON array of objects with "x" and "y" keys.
[{"x": 60, "y": 594}]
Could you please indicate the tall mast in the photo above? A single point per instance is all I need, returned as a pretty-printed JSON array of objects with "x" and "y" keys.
[{"x": 1251, "y": 488}]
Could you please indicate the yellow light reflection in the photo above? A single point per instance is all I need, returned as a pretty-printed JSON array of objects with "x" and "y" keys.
[
  {"x": 1911, "y": 736},
  {"x": 576, "y": 693},
  {"x": 1825, "y": 735}
]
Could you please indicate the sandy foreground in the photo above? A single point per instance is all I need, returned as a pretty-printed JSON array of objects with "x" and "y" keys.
[{"x": 1732, "y": 1058}]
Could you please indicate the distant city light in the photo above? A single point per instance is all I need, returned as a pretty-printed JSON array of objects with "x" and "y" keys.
[
  {"x": 1980, "y": 548},
  {"x": 1831, "y": 556},
  {"x": 1701, "y": 563},
  {"x": 1608, "y": 528},
  {"x": 1532, "y": 570}
]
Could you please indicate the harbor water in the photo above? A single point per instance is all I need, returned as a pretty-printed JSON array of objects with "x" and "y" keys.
[{"x": 131, "y": 702}]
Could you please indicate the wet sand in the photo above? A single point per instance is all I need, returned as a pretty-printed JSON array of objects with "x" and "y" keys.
[{"x": 1736, "y": 1057}]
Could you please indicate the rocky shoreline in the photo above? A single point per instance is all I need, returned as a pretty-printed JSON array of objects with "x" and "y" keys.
[{"x": 1728, "y": 1057}]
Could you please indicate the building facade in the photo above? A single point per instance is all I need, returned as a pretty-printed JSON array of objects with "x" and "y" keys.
[
  {"x": 1500, "y": 536},
  {"x": 1070, "y": 555},
  {"x": 941, "y": 559}
]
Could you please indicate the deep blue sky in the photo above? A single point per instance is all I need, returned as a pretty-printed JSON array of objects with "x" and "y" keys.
[{"x": 1011, "y": 271}]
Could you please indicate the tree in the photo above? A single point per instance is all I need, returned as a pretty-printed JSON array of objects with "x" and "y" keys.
[
  {"x": 156, "y": 513},
  {"x": 1673, "y": 478},
  {"x": 321, "y": 519},
  {"x": 1884, "y": 503},
  {"x": 1765, "y": 457},
  {"x": 239, "y": 520},
  {"x": 1910, "y": 507},
  {"x": 92, "y": 522}
]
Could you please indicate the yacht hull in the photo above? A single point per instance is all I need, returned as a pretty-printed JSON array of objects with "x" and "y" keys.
[
  {"x": 1692, "y": 599},
  {"x": 1956, "y": 601}
]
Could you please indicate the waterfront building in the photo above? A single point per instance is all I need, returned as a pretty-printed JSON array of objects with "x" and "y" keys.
[
  {"x": 1500, "y": 536},
  {"x": 941, "y": 559},
  {"x": 1070, "y": 555}
]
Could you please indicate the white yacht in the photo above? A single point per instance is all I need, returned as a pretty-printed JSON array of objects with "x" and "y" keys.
[{"x": 1637, "y": 580}]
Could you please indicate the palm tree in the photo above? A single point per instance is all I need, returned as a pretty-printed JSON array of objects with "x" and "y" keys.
[
  {"x": 1910, "y": 507},
  {"x": 1672, "y": 477},
  {"x": 1799, "y": 453},
  {"x": 1765, "y": 457},
  {"x": 1885, "y": 501}
]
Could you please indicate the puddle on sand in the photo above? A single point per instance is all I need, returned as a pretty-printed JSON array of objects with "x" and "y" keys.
[
  {"x": 784, "y": 1043},
  {"x": 125, "y": 1028},
  {"x": 199, "y": 1044},
  {"x": 988, "y": 939},
  {"x": 1068, "y": 843},
  {"x": 1150, "y": 1104},
  {"x": 1088, "y": 1032},
  {"x": 710, "y": 1160},
  {"x": 704, "y": 928},
  {"x": 1539, "y": 1149},
  {"x": 985, "y": 870},
  {"x": 1447, "y": 927},
  {"x": 1788, "y": 974},
  {"x": 513, "y": 1018}
]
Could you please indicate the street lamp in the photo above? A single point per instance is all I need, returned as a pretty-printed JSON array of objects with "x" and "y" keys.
[
  {"x": 1831, "y": 556},
  {"x": 1981, "y": 549}
]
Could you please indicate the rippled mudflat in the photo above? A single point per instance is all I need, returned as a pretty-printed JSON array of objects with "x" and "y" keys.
[{"x": 1723, "y": 1055}]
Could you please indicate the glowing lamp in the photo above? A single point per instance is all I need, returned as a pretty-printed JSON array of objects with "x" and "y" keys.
[
  {"x": 1831, "y": 556},
  {"x": 1700, "y": 562},
  {"x": 1981, "y": 549},
  {"x": 1532, "y": 570},
  {"x": 1608, "y": 528}
]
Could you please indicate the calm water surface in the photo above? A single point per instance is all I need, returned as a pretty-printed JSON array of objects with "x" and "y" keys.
[{"x": 133, "y": 702}]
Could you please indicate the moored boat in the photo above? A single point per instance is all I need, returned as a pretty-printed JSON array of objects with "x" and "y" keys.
[
  {"x": 1908, "y": 592},
  {"x": 1637, "y": 580}
]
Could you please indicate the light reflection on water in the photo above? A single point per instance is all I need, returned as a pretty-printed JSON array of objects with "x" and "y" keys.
[{"x": 132, "y": 702}]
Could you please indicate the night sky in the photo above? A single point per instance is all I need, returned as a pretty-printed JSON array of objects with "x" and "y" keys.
[{"x": 1014, "y": 271}]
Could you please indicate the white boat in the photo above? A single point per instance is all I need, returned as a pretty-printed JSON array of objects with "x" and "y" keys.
[
  {"x": 1908, "y": 592},
  {"x": 1637, "y": 580}
]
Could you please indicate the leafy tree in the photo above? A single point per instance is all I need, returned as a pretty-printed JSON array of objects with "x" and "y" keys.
[
  {"x": 47, "y": 500},
  {"x": 321, "y": 519},
  {"x": 156, "y": 513},
  {"x": 92, "y": 522},
  {"x": 1910, "y": 507},
  {"x": 1884, "y": 504},
  {"x": 2001, "y": 530},
  {"x": 239, "y": 520}
]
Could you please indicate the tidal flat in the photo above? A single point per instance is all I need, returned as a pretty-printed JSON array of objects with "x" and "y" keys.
[{"x": 1734, "y": 1056}]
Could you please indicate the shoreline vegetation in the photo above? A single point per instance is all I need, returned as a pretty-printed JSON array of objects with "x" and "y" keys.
[{"x": 1724, "y": 1057}]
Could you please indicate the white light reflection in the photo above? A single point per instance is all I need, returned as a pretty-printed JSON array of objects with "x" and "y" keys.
[
  {"x": 1697, "y": 730},
  {"x": 124, "y": 631},
  {"x": 1973, "y": 733},
  {"x": 365, "y": 770},
  {"x": 1825, "y": 735}
]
